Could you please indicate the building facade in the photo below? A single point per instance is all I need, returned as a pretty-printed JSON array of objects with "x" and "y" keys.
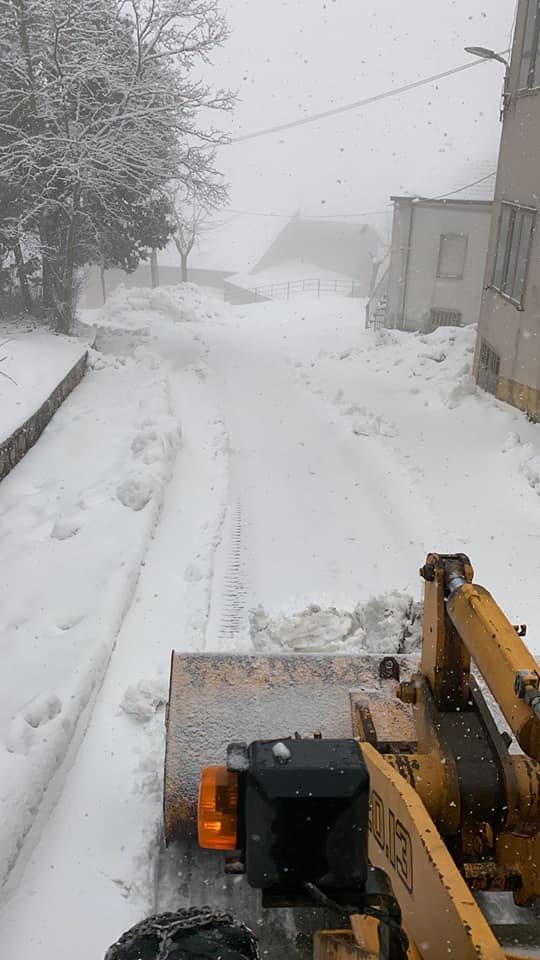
[
  {"x": 507, "y": 356},
  {"x": 437, "y": 262}
]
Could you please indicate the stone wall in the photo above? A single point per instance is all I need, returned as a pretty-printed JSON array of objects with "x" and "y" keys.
[
  {"x": 520, "y": 395},
  {"x": 23, "y": 439},
  {"x": 525, "y": 398}
]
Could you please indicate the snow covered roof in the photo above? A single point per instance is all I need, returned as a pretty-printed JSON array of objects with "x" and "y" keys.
[
  {"x": 484, "y": 190},
  {"x": 479, "y": 189},
  {"x": 444, "y": 201}
]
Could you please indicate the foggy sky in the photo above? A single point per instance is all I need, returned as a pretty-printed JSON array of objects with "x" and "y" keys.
[{"x": 289, "y": 58}]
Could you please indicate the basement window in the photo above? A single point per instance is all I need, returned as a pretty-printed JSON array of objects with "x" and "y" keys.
[
  {"x": 516, "y": 225},
  {"x": 489, "y": 367},
  {"x": 529, "y": 69},
  {"x": 452, "y": 254}
]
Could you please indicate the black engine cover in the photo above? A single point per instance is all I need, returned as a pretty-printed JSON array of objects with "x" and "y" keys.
[{"x": 304, "y": 816}]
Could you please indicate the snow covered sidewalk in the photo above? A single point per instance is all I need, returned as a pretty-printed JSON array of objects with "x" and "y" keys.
[
  {"x": 105, "y": 878},
  {"x": 32, "y": 364},
  {"x": 75, "y": 518},
  {"x": 106, "y": 795}
]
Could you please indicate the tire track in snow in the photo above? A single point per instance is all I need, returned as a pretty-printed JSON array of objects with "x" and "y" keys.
[
  {"x": 233, "y": 592},
  {"x": 227, "y": 621}
]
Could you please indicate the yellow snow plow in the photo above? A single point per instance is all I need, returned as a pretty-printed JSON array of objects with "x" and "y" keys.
[{"x": 398, "y": 793}]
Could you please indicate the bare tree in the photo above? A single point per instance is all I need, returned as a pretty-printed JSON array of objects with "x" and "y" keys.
[
  {"x": 188, "y": 228},
  {"x": 192, "y": 206}
]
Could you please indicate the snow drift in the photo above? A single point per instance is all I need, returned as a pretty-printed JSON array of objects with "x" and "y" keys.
[{"x": 389, "y": 623}]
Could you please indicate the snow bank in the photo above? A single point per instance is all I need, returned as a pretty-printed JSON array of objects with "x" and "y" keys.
[
  {"x": 75, "y": 519},
  {"x": 139, "y": 308},
  {"x": 390, "y": 623},
  {"x": 461, "y": 469},
  {"x": 104, "y": 834}
]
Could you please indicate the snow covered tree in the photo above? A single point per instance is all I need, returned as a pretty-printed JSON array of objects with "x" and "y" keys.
[{"x": 98, "y": 112}]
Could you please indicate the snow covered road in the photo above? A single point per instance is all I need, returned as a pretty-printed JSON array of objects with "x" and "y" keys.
[
  {"x": 319, "y": 463},
  {"x": 318, "y": 519}
]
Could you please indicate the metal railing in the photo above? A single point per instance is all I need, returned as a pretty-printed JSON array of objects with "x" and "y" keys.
[
  {"x": 320, "y": 288},
  {"x": 376, "y": 322}
]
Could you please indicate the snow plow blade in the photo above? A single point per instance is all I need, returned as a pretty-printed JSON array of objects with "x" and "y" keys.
[{"x": 217, "y": 699}]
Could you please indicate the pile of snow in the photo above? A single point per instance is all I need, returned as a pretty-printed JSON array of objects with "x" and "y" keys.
[
  {"x": 281, "y": 752},
  {"x": 459, "y": 470},
  {"x": 137, "y": 308},
  {"x": 526, "y": 457},
  {"x": 154, "y": 445},
  {"x": 389, "y": 623},
  {"x": 364, "y": 422},
  {"x": 144, "y": 698}
]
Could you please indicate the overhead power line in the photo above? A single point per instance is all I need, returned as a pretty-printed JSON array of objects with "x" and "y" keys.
[
  {"x": 365, "y": 213},
  {"x": 474, "y": 183},
  {"x": 376, "y": 98},
  {"x": 322, "y": 216}
]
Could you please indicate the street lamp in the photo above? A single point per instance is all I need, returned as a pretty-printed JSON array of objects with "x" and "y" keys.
[{"x": 485, "y": 54}]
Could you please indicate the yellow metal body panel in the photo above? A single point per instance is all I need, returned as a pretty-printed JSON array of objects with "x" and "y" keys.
[
  {"x": 438, "y": 909},
  {"x": 360, "y": 943},
  {"x": 527, "y": 778},
  {"x": 521, "y": 851},
  {"x": 340, "y": 945},
  {"x": 427, "y": 774},
  {"x": 366, "y": 933}
]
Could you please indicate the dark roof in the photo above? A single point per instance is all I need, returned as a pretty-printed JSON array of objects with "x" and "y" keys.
[{"x": 337, "y": 245}]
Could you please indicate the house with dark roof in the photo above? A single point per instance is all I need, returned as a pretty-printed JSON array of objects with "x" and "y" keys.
[
  {"x": 342, "y": 248},
  {"x": 247, "y": 260}
]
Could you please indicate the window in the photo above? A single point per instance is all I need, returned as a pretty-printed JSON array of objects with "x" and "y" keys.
[
  {"x": 444, "y": 318},
  {"x": 452, "y": 253},
  {"x": 516, "y": 226},
  {"x": 529, "y": 69}
]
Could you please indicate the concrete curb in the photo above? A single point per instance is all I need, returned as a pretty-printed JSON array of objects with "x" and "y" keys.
[{"x": 23, "y": 439}]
